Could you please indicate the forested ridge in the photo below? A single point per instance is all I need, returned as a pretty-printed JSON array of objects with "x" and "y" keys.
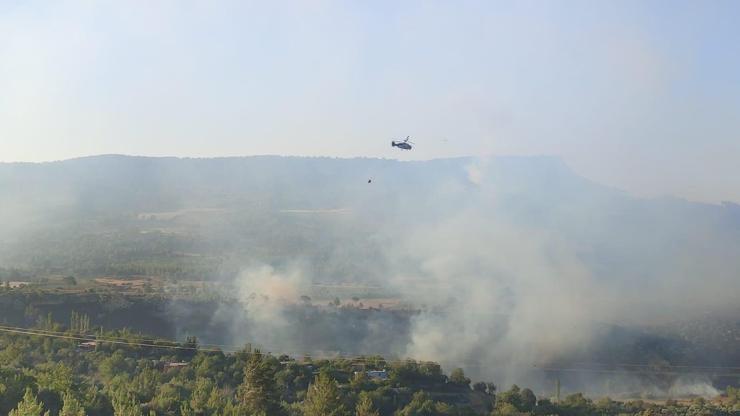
[
  {"x": 51, "y": 369},
  {"x": 207, "y": 218},
  {"x": 508, "y": 257},
  {"x": 363, "y": 208}
]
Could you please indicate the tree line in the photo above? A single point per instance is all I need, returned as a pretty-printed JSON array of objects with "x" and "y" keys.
[{"x": 55, "y": 376}]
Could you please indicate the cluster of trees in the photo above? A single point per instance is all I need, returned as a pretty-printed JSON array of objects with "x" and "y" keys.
[{"x": 44, "y": 375}]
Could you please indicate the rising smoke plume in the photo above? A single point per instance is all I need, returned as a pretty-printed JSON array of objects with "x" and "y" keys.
[
  {"x": 515, "y": 273},
  {"x": 508, "y": 262}
]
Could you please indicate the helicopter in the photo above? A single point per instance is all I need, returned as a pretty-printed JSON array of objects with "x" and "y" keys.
[{"x": 404, "y": 144}]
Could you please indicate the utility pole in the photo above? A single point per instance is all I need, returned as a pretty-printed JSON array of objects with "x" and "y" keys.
[{"x": 557, "y": 390}]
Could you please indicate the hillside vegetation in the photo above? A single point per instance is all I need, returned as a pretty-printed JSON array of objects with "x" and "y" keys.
[{"x": 127, "y": 374}]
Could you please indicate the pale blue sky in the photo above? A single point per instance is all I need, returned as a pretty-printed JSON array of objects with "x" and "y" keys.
[{"x": 641, "y": 95}]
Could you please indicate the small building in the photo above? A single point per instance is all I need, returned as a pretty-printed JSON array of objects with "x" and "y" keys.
[
  {"x": 378, "y": 374},
  {"x": 375, "y": 374},
  {"x": 180, "y": 364},
  {"x": 87, "y": 345}
]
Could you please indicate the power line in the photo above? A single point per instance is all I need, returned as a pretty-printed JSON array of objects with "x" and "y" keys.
[
  {"x": 121, "y": 341},
  {"x": 636, "y": 368},
  {"x": 103, "y": 340},
  {"x": 626, "y": 372},
  {"x": 320, "y": 354},
  {"x": 709, "y": 367}
]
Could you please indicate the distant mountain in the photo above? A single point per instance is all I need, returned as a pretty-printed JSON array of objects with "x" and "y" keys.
[
  {"x": 61, "y": 215},
  {"x": 516, "y": 259},
  {"x": 224, "y": 202}
]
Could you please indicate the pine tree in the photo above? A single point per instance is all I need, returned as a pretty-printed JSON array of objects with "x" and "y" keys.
[
  {"x": 258, "y": 392},
  {"x": 186, "y": 410},
  {"x": 72, "y": 407},
  {"x": 322, "y": 398},
  {"x": 216, "y": 400},
  {"x": 365, "y": 406},
  {"x": 57, "y": 377},
  {"x": 29, "y": 406},
  {"x": 125, "y": 404},
  {"x": 200, "y": 396}
]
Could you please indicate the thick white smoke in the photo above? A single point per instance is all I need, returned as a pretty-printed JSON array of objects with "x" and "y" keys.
[
  {"x": 508, "y": 296},
  {"x": 510, "y": 273},
  {"x": 511, "y": 262},
  {"x": 503, "y": 297},
  {"x": 264, "y": 293}
]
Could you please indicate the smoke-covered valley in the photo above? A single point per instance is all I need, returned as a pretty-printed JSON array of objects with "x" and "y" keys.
[{"x": 503, "y": 266}]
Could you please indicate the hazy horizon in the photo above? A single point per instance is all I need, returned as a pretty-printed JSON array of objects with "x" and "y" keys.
[
  {"x": 642, "y": 96},
  {"x": 179, "y": 177},
  {"x": 483, "y": 157},
  {"x": 520, "y": 260}
]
